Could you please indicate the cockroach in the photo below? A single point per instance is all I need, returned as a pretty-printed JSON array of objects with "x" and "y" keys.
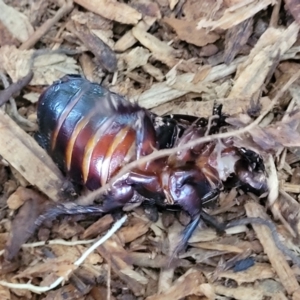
[{"x": 91, "y": 133}]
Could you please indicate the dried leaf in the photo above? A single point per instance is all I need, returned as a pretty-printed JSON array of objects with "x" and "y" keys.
[
  {"x": 187, "y": 31},
  {"x": 47, "y": 68},
  {"x": 21, "y": 195},
  {"x": 24, "y": 225}
]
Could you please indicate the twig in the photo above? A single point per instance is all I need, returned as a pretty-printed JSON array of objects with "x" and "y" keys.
[
  {"x": 14, "y": 88},
  {"x": 275, "y": 14},
  {"x": 210, "y": 120},
  {"x": 13, "y": 112},
  {"x": 86, "y": 200},
  {"x": 272, "y": 227},
  {"x": 40, "y": 32},
  {"x": 78, "y": 262},
  {"x": 55, "y": 242}
]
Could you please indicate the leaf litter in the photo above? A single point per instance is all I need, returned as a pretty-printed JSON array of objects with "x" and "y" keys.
[{"x": 171, "y": 57}]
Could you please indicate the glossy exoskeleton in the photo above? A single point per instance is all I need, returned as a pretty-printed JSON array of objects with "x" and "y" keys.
[{"x": 91, "y": 133}]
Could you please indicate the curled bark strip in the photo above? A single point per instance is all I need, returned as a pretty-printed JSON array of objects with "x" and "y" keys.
[{"x": 272, "y": 227}]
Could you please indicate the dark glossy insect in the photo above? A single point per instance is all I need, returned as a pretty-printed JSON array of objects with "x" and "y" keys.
[{"x": 91, "y": 133}]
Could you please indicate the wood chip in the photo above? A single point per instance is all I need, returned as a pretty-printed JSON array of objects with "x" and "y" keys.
[
  {"x": 204, "y": 109},
  {"x": 173, "y": 57},
  {"x": 103, "y": 53},
  {"x": 114, "y": 253},
  {"x": 235, "y": 38},
  {"x": 191, "y": 283},
  {"x": 160, "y": 50},
  {"x": 16, "y": 22},
  {"x": 160, "y": 93},
  {"x": 135, "y": 58},
  {"x": 219, "y": 247},
  {"x": 236, "y": 14},
  {"x": 253, "y": 72},
  {"x": 114, "y": 10},
  {"x": 98, "y": 227},
  {"x": 241, "y": 293},
  {"x": 31, "y": 161},
  {"x": 277, "y": 259},
  {"x": 128, "y": 39},
  {"x": 130, "y": 233},
  {"x": 4, "y": 293},
  {"x": 259, "y": 271}
]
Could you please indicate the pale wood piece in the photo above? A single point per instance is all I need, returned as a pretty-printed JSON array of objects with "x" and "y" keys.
[
  {"x": 113, "y": 252},
  {"x": 277, "y": 259},
  {"x": 112, "y": 10},
  {"x": 22, "y": 152}
]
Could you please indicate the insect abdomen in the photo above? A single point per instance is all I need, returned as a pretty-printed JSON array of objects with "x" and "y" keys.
[{"x": 88, "y": 130}]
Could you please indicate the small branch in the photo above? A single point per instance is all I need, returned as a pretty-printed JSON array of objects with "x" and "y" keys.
[
  {"x": 6, "y": 95},
  {"x": 54, "y": 242},
  {"x": 87, "y": 200},
  {"x": 14, "y": 88},
  {"x": 210, "y": 120},
  {"x": 78, "y": 262},
  {"x": 40, "y": 32}
]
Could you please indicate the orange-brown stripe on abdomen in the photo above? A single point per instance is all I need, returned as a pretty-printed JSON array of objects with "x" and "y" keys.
[
  {"x": 95, "y": 165},
  {"x": 118, "y": 153},
  {"x": 78, "y": 152},
  {"x": 64, "y": 115}
]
